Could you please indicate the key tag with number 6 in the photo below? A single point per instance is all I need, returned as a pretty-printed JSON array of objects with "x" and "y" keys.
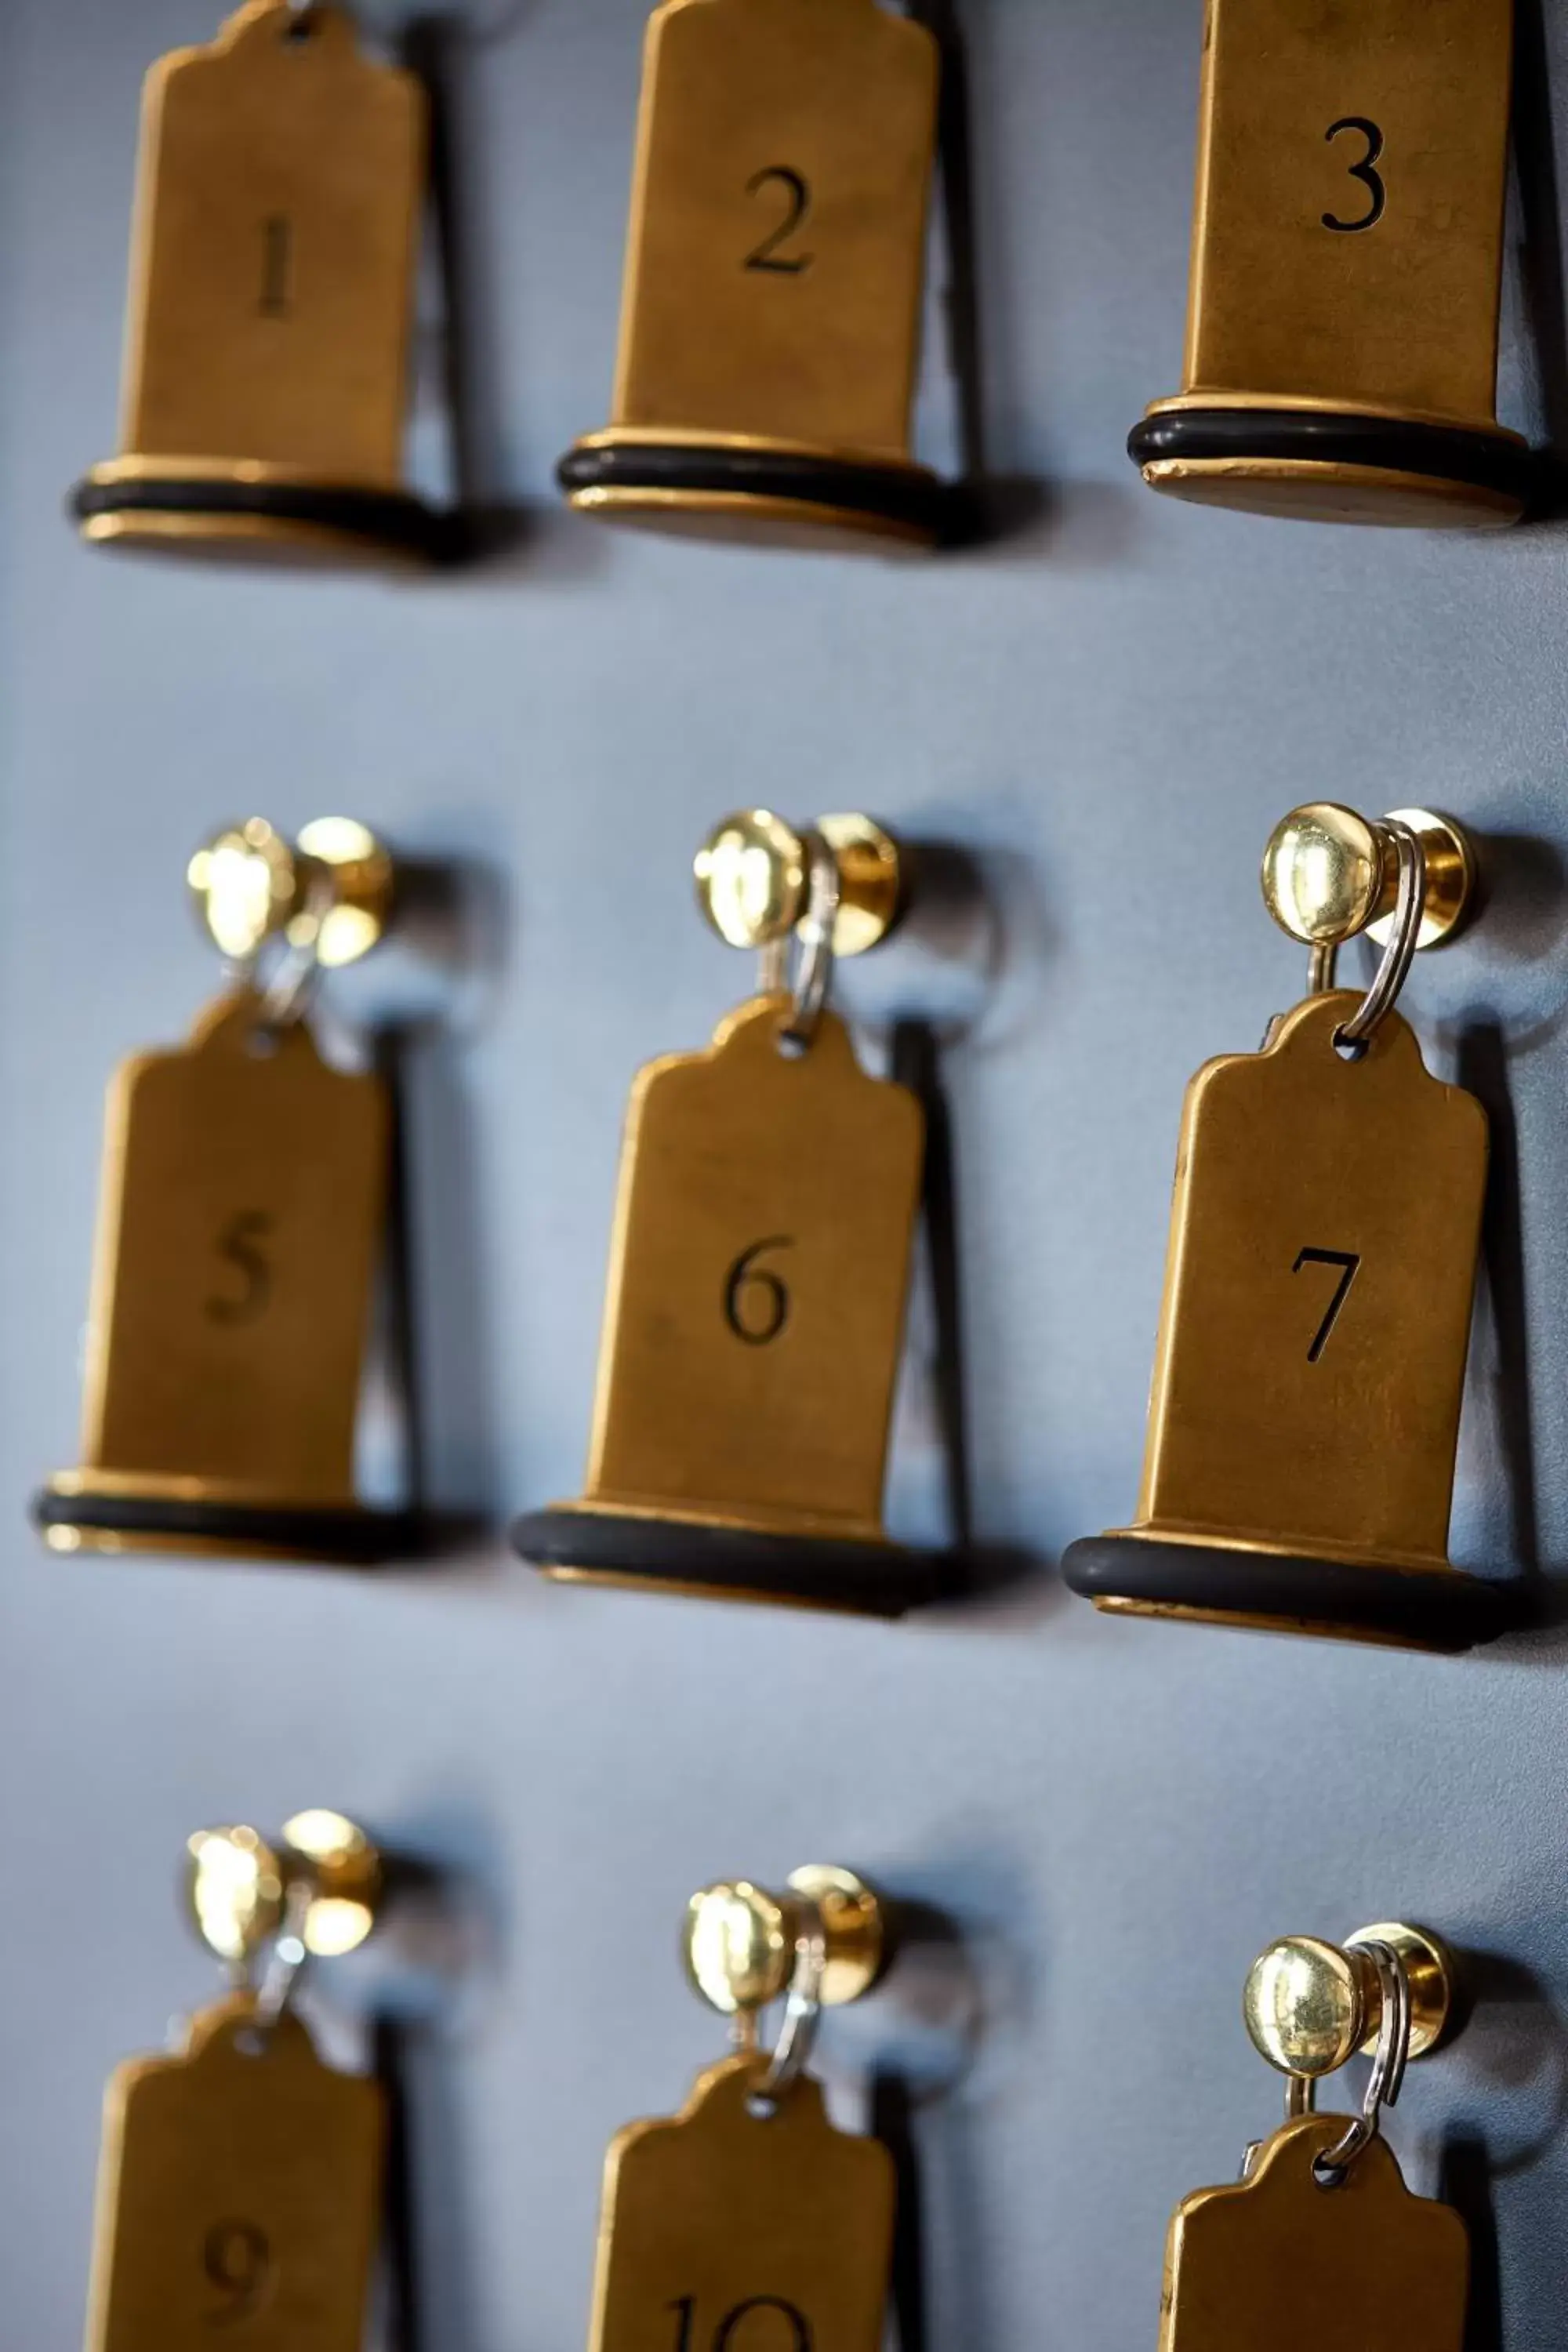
[
  {"x": 240, "y": 2183},
  {"x": 240, "y": 1232},
  {"x": 1324, "y": 1235},
  {"x": 749, "y": 2217},
  {"x": 768, "y": 1195}
]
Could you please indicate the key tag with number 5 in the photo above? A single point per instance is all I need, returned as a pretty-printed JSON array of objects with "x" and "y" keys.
[
  {"x": 240, "y": 1232},
  {"x": 240, "y": 2183},
  {"x": 749, "y": 2218},
  {"x": 768, "y": 1195},
  {"x": 1324, "y": 1236}
]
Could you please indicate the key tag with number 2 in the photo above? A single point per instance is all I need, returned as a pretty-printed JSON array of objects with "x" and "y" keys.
[
  {"x": 749, "y": 2218},
  {"x": 768, "y": 1195},
  {"x": 1324, "y": 1236},
  {"x": 240, "y": 1232},
  {"x": 239, "y": 2190}
]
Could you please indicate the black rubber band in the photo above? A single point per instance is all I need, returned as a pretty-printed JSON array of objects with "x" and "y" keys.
[
  {"x": 875, "y": 1580},
  {"x": 1487, "y": 461},
  {"x": 1442, "y": 1609},
  {"x": 351, "y": 1536},
  {"x": 905, "y": 494},
  {"x": 384, "y": 518}
]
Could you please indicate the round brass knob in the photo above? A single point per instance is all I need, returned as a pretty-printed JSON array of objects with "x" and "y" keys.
[
  {"x": 238, "y": 1886},
  {"x": 1328, "y": 874},
  {"x": 346, "y": 1875},
  {"x": 753, "y": 876},
  {"x": 233, "y": 1890},
  {"x": 335, "y": 885},
  {"x": 1309, "y": 2006},
  {"x": 739, "y": 1941}
]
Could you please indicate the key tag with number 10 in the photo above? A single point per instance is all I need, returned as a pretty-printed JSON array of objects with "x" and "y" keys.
[
  {"x": 240, "y": 1232},
  {"x": 749, "y": 2218},
  {"x": 1324, "y": 1236},
  {"x": 768, "y": 1195},
  {"x": 240, "y": 2185}
]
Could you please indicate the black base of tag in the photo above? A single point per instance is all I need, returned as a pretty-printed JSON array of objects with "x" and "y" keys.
[
  {"x": 1442, "y": 1609},
  {"x": 347, "y": 1536},
  {"x": 1495, "y": 463},
  {"x": 739, "y": 492},
  {"x": 745, "y": 1563},
  {"x": 287, "y": 521}
]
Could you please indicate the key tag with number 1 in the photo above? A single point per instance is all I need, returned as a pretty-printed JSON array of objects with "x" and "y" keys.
[
  {"x": 768, "y": 1196},
  {"x": 240, "y": 1232},
  {"x": 749, "y": 2217},
  {"x": 240, "y": 2186},
  {"x": 1324, "y": 1236}
]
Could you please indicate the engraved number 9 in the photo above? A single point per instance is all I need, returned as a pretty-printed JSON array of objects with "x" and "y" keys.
[
  {"x": 760, "y": 1321},
  {"x": 727, "y": 2336},
  {"x": 1366, "y": 170},
  {"x": 237, "y": 2259}
]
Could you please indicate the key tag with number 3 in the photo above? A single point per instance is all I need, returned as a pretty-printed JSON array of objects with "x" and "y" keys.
[
  {"x": 1324, "y": 1236},
  {"x": 240, "y": 2184},
  {"x": 240, "y": 1232},
  {"x": 768, "y": 1196},
  {"x": 748, "y": 2219}
]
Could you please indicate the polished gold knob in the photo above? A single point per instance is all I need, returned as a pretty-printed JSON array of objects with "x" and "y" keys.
[
  {"x": 1328, "y": 874},
  {"x": 1309, "y": 2006},
  {"x": 239, "y": 1888},
  {"x": 739, "y": 1941},
  {"x": 331, "y": 886},
  {"x": 753, "y": 879}
]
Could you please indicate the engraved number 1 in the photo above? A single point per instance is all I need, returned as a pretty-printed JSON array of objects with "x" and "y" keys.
[
  {"x": 727, "y": 2336},
  {"x": 1350, "y": 1266},
  {"x": 276, "y": 267}
]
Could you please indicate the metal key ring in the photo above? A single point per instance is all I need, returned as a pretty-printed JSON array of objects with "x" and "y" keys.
[
  {"x": 1331, "y": 2169},
  {"x": 1402, "y": 940},
  {"x": 802, "y": 2017},
  {"x": 813, "y": 976}
]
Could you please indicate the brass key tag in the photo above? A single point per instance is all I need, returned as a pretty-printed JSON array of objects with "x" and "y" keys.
[
  {"x": 238, "y": 2195},
  {"x": 722, "y": 2227},
  {"x": 1308, "y": 1380},
  {"x": 279, "y": 195},
  {"x": 753, "y": 1324},
  {"x": 240, "y": 1229},
  {"x": 770, "y": 328},
  {"x": 1347, "y": 268},
  {"x": 1282, "y": 2262}
]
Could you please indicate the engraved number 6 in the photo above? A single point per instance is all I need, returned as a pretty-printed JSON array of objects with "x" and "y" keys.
[{"x": 1366, "y": 170}]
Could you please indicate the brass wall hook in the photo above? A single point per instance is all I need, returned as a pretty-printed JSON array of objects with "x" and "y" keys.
[
  {"x": 753, "y": 879},
  {"x": 332, "y": 891},
  {"x": 740, "y": 1943},
  {"x": 322, "y": 1874},
  {"x": 1330, "y": 874},
  {"x": 1311, "y": 2006}
]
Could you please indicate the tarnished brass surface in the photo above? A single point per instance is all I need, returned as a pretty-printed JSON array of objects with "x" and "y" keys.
[
  {"x": 1277, "y": 2260},
  {"x": 1329, "y": 873},
  {"x": 1316, "y": 1319},
  {"x": 752, "y": 877},
  {"x": 238, "y": 2196},
  {"x": 1309, "y": 2005},
  {"x": 333, "y": 887},
  {"x": 239, "y": 1231},
  {"x": 739, "y": 1941},
  {"x": 757, "y": 1285},
  {"x": 778, "y": 2230}
]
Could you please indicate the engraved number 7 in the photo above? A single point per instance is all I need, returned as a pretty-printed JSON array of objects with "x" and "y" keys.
[{"x": 1350, "y": 1265}]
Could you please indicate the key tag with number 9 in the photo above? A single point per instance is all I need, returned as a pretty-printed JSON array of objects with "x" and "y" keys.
[
  {"x": 240, "y": 2183},
  {"x": 1324, "y": 1235},
  {"x": 240, "y": 1232},
  {"x": 749, "y": 2218},
  {"x": 768, "y": 1195},
  {"x": 775, "y": 261}
]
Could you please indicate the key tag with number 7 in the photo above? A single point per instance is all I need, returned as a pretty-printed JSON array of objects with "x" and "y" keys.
[
  {"x": 749, "y": 2216},
  {"x": 240, "y": 2184},
  {"x": 1324, "y": 1236},
  {"x": 240, "y": 1234},
  {"x": 768, "y": 1195}
]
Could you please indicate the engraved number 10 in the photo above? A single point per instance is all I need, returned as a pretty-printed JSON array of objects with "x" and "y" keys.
[{"x": 727, "y": 2336}]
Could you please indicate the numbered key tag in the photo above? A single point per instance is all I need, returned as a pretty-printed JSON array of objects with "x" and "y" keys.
[
  {"x": 753, "y": 1330},
  {"x": 1282, "y": 2260},
  {"x": 770, "y": 328},
  {"x": 238, "y": 2195},
  {"x": 240, "y": 1230},
  {"x": 725, "y": 2227},
  {"x": 278, "y": 197},
  {"x": 1311, "y": 1365},
  {"x": 1347, "y": 268}
]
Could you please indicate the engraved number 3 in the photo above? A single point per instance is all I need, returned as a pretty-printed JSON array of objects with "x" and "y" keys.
[
  {"x": 237, "y": 2260},
  {"x": 1366, "y": 172}
]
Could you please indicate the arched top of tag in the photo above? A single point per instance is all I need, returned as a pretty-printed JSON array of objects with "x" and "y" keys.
[
  {"x": 1304, "y": 1040},
  {"x": 257, "y": 26}
]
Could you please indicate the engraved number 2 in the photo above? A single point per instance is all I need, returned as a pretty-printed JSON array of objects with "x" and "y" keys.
[
  {"x": 237, "y": 2260},
  {"x": 727, "y": 2336},
  {"x": 1348, "y": 1264},
  {"x": 1366, "y": 170},
  {"x": 241, "y": 1245},
  {"x": 797, "y": 202}
]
